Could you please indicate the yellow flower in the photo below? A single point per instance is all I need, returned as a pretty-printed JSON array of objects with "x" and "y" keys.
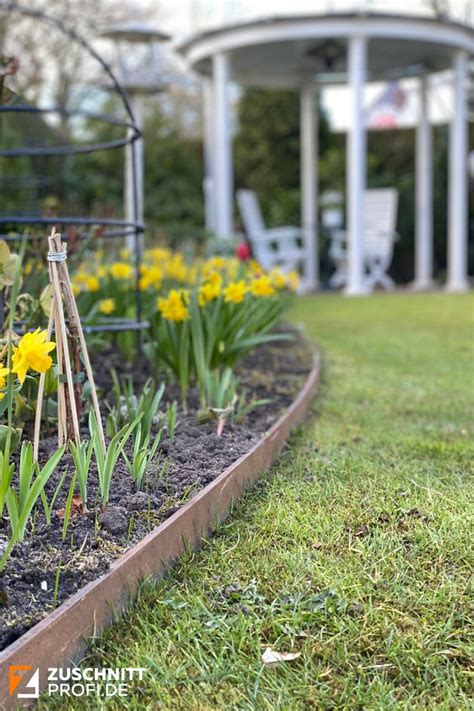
[
  {"x": 262, "y": 286},
  {"x": 235, "y": 292},
  {"x": 151, "y": 277},
  {"x": 76, "y": 289},
  {"x": 101, "y": 272},
  {"x": 81, "y": 278},
  {"x": 278, "y": 278},
  {"x": 255, "y": 267},
  {"x": 210, "y": 290},
  {"x": 173, "y": 308},
  {"x": 215, "y": 263},
  {"x": 124, "y": 254},
  {"x": 120, "y": 270},
  {"x": 92, "y": 283},
  {"x": 107, "y": 306},
  {"x": 158, "y": 254},
  {"x": 32, "y": 352},
  {"x": 3, "y": 379},
  {"x": 293, "y": 280},
  {"x": 176, "y": 269},
  {"x": 232, "y": 267}
]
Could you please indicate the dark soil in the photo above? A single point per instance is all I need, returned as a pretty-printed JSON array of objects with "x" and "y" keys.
[{"x": 193, "y": 458}]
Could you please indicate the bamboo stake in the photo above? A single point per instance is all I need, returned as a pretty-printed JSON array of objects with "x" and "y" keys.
[
  {"x": 39, "y": 401},
  {"x": 74, "y": 316},
  {"x": 68, "y": 409},
  {"x": 62, "y": 414}
]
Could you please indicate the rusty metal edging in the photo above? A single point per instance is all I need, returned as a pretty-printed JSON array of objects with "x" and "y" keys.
[{"x": 59, "y": 640}]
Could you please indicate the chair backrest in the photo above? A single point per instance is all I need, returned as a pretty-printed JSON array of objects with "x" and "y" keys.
[
  {"x": 380, "y": 210},
  {"x": 250, "y": 213},
  {"x": 380, "y": 219}
]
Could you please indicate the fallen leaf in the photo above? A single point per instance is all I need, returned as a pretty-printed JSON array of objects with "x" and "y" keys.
[
  {"x": 271, "y": 657},
  {"x": 78, "y": 508}
]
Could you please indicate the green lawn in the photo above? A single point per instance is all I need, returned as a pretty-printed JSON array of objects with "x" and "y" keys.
[{"x": 355, "y": 549}]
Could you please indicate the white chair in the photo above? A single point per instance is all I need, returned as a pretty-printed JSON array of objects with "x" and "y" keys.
[
  {"x": 380, "y": 219},
  {"x": 277, "y": 246}
]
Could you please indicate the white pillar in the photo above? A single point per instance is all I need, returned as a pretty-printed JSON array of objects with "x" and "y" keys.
[
  {"x": 457, "y": 188},
  {"x": 136, "y": 104},
  {"x": 356, "y": 167},
  {"x": 208, "y": 141},
  {"x": 223, "y": 187},
  {"x": 309, "y": 116},
  {"x": 424, "y": 195}
]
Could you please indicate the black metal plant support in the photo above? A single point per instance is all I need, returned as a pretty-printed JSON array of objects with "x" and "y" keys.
[{"x": 110, "y": 227}]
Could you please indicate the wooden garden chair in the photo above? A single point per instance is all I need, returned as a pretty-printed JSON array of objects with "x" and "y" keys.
[
  {"x": 278, "y": 246},
  {"x": 380, "y": 219}
]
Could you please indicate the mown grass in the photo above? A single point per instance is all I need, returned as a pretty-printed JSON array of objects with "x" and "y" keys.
[{"x": 355, "y": 549}]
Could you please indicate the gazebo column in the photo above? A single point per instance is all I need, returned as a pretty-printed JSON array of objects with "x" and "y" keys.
[
  {"x": 208, "y": 141},
  {"x": 222, "y": 188},
  {"x": 356, "y": 167},
  {"x": 309, "y": 182},
  {"x": 457, "y": 197},
  {"x": 424, "y": 195}
]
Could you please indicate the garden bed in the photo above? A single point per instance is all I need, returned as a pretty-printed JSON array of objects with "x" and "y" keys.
[{"x": 46, "y": 569}]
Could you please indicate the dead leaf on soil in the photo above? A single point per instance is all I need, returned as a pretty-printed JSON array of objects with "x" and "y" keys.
[
  {"x": 78, "y": 508},
  {"x": 271, "y": 657}
]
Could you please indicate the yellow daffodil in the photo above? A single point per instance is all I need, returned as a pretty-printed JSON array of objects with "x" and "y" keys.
[
  {"x": 176, "y": 269},
  {"x": 173, "y": 307},
  {"x": 232, "y": 267},
  {"x": 293, "y": 280},
  {"x": 157, "y": 255},
  {"x": 92, "y": 283},
  {"x": 151, "y": 277},
  {"x": 211, "y": 289},
  {"x": 81, "y": 278},
  {"x": 234, "y": 293},
  {"x": 121, "y": 270},
  {"x": 3, "y": 379},
  {"x": 107, "y": 306},
  {"x": 278, "y": 278},
  {"x": 255, "y": 267},
  {"x": 215, "y": 263},
  {"x": 32, "y": 353},
  {"x": 262, "y": 286}
]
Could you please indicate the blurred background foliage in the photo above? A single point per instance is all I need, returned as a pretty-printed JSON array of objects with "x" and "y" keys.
[{"x": 266, "y": 155}]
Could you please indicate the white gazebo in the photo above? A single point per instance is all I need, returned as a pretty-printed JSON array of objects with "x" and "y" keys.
[{"x": 308, "y": 52}]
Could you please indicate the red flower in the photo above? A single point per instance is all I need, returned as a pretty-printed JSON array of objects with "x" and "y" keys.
[{"x": 243, "y": 252}]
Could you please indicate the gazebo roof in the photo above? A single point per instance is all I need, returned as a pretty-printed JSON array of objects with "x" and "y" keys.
[{"x": 284, "y": 51}]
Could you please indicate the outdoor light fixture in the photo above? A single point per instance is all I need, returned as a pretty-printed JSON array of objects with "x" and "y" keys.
[{"x": 328, "y": 54}]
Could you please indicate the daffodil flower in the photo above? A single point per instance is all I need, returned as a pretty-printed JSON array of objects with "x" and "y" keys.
[{"x": 32, "y": 353}]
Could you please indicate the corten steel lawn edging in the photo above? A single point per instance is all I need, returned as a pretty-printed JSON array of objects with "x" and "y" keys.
[{"x": 59, "y": 640}]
